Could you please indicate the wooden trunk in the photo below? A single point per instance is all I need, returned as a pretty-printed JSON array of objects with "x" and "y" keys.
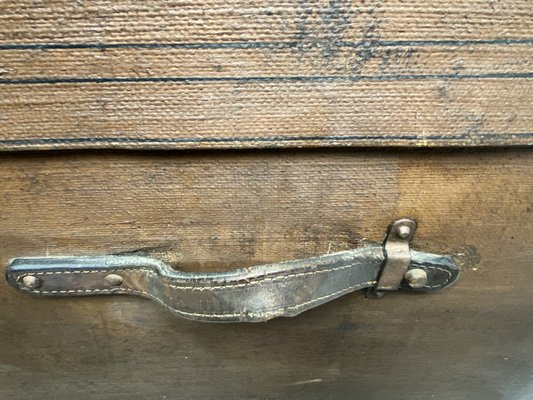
[{"x": 214, "y": 135}]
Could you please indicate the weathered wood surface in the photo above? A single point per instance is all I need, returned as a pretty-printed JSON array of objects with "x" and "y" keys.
[
  {"x": 239, "y": 74},
  {"x": 27, "y": 21},
  {"x": 212, "y": 211}
]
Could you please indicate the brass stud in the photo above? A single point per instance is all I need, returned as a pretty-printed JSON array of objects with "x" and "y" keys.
[
  {"x": 113, "y": 280},
  {"x": 403, "y": 231},
  {"x": 416, "y": 278},
  {"x": 31, "y": 281}
]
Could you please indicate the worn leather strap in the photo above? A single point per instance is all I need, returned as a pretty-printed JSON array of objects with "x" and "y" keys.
[{"x": 252, "y": 294}]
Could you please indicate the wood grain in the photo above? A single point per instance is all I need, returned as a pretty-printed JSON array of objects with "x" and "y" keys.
[
  {"x": 210, "y": 211},
  {"x": 27, "y": 65},
  {"x": 222, "y": 114},
  {"x": 208, "y": 74},
  {"x": 27, "y": 21}
]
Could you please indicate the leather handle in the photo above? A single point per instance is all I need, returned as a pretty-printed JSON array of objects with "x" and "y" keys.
[{"x": 251, "y": 294}]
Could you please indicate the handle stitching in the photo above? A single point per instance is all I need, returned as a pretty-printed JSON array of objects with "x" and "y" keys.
[
  {"x": 258, "y": 281},
  {"x": 439, "y": 269},
  {"x": 220, "y": 316},
  {"x": 210, "y": 288},
  {"x": 96, "y": 271},
  {"x": 199, "y": 288}
]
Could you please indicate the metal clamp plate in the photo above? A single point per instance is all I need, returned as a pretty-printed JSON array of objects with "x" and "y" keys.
[{"x": 397, "y": 255}]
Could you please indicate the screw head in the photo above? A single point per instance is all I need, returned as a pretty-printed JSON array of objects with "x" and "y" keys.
[
  {"x": 416, "y": 278},
  {"x": 113, "y": 280},
  {"x": 403, "y": 231},
  {"x": 31, "y": 281}
]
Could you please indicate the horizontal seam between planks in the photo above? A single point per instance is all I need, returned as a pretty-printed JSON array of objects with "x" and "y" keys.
[
  {"x": 131, "y": 140},
  {"x": 267, "y": 79},
  {"x": 260, "y": 44}
]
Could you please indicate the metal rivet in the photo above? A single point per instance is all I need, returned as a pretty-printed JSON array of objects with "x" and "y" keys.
[
  {"x": 31, "y": 282},
  {"x": 416, "y": 278},
  {"x": 113, "y": 280},
  {"x": 403, "y": 231}
]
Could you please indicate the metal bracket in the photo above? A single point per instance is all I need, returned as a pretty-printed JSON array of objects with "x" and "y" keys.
[
  {"x": 397, "y": 256},
  {"x": 397, "y": 260}
]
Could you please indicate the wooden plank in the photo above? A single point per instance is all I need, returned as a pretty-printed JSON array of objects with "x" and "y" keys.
[
  {"x": 251, "y": 113},
  {"x": 27, "y": 65},
  {"x": 318, "y": 21},
  {"x": 213, "y": 74},
  {"x": 210, "y": 211}
]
